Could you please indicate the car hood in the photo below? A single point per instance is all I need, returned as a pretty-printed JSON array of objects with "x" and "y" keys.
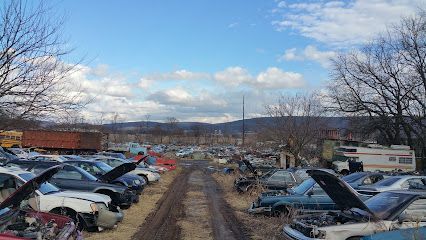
[
  {"x": 249, "y": 166},
  {"x": 93, "y": 197},
  {"x": 117, "y": 172},
  {"x": 338, "y": 190},
  {"x": 26, "y": 190}
]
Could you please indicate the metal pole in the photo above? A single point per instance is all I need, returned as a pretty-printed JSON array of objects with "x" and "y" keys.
[{"x": 244, "y": 127}]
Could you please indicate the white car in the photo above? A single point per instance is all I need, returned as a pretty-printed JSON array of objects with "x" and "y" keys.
[
  {"x": 385, "y": 211},
  {"x": 150, "y": 175},
  {"x": 19, "y": 152},
  {"x": 92, "y": 210}
]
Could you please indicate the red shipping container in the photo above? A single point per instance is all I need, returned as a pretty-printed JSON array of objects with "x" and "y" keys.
[{"x": 62, "y": 140}]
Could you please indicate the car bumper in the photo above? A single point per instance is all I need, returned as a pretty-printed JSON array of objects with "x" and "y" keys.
[
  {"x": 104, "y": 219},
  {"x": 259, "y": 210},
  {"x": 154, "y": 177},
  {"x": 290, "y": 233}
]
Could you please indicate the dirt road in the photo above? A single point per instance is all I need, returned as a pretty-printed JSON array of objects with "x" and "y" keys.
[{"x": 219, "y": 221}]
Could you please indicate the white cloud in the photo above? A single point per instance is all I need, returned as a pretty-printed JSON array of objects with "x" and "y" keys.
[
  {"x": 309, "y": 53},
  {"x": 290, "y": 54},
  {"x": 181, "y": 74},
  {"x": 233, "y": 76},
  {"x": 274, "y": 78},
  {"x": 271, "y": 78},
  {"x": 344, "y": 23},
  {"x": 147, "y": 81}
]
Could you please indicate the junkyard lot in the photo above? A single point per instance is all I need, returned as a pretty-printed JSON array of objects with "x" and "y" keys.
[{"x": 192, "y": 203}]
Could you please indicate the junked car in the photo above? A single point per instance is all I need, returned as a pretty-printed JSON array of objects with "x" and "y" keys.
[
  {"x": 278, "y": 179},
  {"x": 92, "y": 211},
  {"x": 382, "y": 212},
  {"x": 18, "y": 221},
  {"x": 107, "y": 173},
  {"x": 401, "y": 182},
  {"x": 308, "y": 197},
  {"x": 74, "y": 178},
  {"x": 150, "y": 175},
  {"x": 360, "y": 179}
]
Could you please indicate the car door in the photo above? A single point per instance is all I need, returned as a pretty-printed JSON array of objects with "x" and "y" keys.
[
  {"x": 413, "y": 216},
  {"x": 280, "y": 180},
  {"x": 318, "y": 200},
  {"x": 70, "y": 179}
]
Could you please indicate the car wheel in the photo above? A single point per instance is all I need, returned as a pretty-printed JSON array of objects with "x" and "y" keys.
[
  {"x": 344, "y": 172},
  {"x": 145, "y": 178}
]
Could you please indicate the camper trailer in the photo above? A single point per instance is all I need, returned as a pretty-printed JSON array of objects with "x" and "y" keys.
[{"x": 375, "y": 157}]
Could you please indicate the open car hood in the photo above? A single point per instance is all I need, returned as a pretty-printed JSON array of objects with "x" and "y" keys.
[
  {"x": 249, "y": 166},
  {"x": 26, "y": 190},
  {"x": 118, "y": 172},
  {"x": 338, "y": 190}
]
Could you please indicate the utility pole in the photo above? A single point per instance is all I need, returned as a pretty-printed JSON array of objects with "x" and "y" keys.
[{"x": 244, "y": 127}]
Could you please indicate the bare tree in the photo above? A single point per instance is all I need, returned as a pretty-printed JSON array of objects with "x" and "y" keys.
[
  {"x": 296, "y": 122},
  {"x": 33, "y": 76},
  {"x": 386, "y": 81}
]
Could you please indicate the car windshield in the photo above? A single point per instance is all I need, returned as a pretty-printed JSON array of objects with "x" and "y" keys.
[
  {"x": 353, "y": 177},
  {"x": 304, "y": 186},
  {"x": 387, "y": 182},
  {"x": 383, "y": 205},
  {"x": 103, "y": 166},
  {"x": 45, "y": 188}
]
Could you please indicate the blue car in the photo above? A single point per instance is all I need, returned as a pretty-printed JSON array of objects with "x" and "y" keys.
[
  {"x": 409, "y": 233},
  {"x": 100, "y": 169}
]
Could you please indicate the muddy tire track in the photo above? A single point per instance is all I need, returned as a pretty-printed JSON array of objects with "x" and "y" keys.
[
  {"x": 161, "y": 223},
  {"x": 224, "y": 221}
]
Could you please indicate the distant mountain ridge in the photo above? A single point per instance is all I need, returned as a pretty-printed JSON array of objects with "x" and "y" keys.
[{"x": 230, "y": 127}]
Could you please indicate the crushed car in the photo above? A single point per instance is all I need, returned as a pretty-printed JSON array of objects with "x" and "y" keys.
[
  {"x": 385, "y": 211},
  {"x": 19, "y": 221}
]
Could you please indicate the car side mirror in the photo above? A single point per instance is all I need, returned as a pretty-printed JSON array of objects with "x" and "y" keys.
[{"x": 310, "y": 193}]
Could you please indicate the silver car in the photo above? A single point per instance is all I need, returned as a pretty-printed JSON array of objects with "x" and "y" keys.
[{"x": 403, "y": 182}]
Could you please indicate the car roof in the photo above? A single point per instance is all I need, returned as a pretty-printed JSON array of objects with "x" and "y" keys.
[
  {"x": 406, "y": 176},
  {"x": 421, "y": 193},
  {"x": 12, "y": 170}
]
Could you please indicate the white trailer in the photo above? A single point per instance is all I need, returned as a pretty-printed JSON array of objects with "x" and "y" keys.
[{"x": 375, "y": 157}]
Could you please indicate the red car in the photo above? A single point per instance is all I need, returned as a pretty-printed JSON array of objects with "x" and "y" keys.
[{"x": 154, "y": 158}]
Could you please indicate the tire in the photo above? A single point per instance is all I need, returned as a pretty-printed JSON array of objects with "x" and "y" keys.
[
  {"x": 344, "y": 172},
  {"x": 145, "y": 178},
  {"x": 79, "y": 222}
]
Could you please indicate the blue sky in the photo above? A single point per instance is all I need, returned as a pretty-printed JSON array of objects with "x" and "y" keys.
[{"x": 194, "y": 59}]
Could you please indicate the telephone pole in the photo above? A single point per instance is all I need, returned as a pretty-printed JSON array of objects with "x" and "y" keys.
[{"x": 244, "y": 127}]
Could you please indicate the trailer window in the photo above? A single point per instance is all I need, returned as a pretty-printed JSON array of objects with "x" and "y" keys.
[
  {"x": 392, "y": 159},
  {"x": 405, "y": 160}
]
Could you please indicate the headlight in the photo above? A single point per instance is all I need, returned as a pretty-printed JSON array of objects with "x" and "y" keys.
[{"x": 94, "y": 207}]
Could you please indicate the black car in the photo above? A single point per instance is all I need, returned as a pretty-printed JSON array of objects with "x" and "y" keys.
[
  {"x": 74, "y": 178},
  {"x": 100, "y": 170}
]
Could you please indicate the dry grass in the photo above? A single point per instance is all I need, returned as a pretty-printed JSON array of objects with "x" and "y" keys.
[
  {"x": 137, "y": 213},
  {"x": 260, "y": 227}
]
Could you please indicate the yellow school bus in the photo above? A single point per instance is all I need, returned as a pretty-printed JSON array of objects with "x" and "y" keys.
[{"x": 10, "y": 139}]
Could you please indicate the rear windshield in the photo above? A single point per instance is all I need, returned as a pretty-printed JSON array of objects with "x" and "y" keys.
[
  {"x": 388, "y": 181},
  {"x": 353, "y": 177}
]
